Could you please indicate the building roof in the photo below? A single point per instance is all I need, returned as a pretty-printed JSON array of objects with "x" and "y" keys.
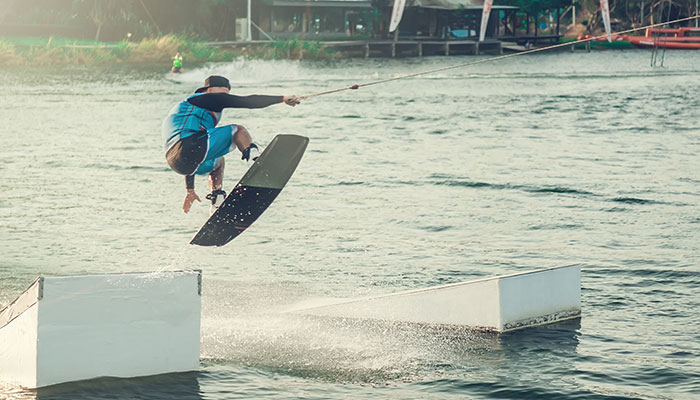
[
  {"x": 453, "y": 4},
  {"x": 323, "y": 3},
  {"x": 446, "y": 4}
]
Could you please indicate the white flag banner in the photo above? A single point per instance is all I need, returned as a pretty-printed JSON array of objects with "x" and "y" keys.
[
  {"x": 485, "y": 18},
  {"x": 396, "y": 14},
  {"x": 605, "y": 12}
]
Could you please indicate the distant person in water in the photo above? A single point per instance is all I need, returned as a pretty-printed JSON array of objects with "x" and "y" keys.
[
  {"x": 177, "y": 63},
  {"x": 195, "y": 146}
]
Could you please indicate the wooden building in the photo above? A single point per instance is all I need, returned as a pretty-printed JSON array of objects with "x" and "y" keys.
[
  {"x": 369, "y": 19},
  {"x": 449, "y": 19},
  {"x": 313, "y": 19},
  {"x": 360, "y": 27}
]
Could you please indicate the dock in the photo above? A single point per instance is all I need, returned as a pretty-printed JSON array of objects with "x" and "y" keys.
[
  {"x": 389, "y": 48},
  {"x": 415, "y": 48}
]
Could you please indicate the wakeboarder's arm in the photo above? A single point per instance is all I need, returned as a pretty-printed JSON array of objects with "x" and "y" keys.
[
  {"x": 191, "y": 196},
  {"x": 218, "y": 101}
]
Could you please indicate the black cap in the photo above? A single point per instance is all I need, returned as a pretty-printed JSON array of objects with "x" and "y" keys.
[{"x": 214, "y": 81}]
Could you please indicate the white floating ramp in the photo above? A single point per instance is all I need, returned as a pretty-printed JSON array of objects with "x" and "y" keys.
[
  {"x": 501, "y": 304},
  {"x": 72, "y": 328}
]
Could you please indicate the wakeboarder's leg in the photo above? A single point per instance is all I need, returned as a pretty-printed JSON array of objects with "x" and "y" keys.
[
  {"x": 242, "y": 138},
  {"x": 216, "y": 177},
  {"x": 245, "y": 144}
]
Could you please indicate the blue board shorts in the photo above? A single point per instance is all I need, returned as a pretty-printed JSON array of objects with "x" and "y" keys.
[
  {"x": 220, "y": 141},
  {"x": 198, "y": 154}
]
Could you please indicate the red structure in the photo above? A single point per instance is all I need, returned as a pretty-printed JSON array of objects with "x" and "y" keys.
[{"x": 667, "y": 38}]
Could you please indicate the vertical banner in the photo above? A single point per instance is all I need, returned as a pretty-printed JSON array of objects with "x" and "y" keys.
[
  {"x": 485, "y": 18},
  {"x": 396, "y": 14},
  {"x": 249, "y": 34},
  {"x": 605, "y": 12}
]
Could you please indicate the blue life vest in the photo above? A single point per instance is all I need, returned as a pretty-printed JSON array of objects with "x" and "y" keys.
[{"x": 186, "y": 119}]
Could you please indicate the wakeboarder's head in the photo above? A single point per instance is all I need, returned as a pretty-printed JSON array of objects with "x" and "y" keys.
[{"x": 215, "y": 84}]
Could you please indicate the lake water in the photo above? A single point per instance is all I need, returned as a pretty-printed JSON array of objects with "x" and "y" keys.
[{"x": 520, "y": 164}]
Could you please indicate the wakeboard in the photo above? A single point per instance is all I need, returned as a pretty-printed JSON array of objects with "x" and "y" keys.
[{"x": 255, "y": 192}]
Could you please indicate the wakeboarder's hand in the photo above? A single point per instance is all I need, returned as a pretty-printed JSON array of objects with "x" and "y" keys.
[
  {"x": 189, "y": 199},
  {"x": 291, "y": 100}
]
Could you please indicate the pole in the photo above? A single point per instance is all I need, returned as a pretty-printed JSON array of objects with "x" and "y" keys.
[
  {"x": 250, "y": 27},
  {"x": 305, "y": 20},
  {"x": 154, "y": 21},
  {"x": 558, "y": 21},
  {"x": 696, "y": 13}
]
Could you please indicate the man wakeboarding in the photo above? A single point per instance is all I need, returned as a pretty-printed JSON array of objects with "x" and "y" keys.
[
  {"x": 194, "y": 145},
  {"x": 177, "y": 63}
]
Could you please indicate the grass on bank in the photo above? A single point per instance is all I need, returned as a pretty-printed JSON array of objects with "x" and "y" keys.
[{"x": 63, "y": 51}]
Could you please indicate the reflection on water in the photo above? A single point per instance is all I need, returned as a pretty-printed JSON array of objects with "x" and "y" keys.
[
  {"x": 377, "y": 352},
  {"x": 183, "y": 386},
  {"x": 342, "y": 351}
]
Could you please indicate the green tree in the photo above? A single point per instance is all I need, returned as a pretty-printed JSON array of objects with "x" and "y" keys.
[{"x": 103, "y": 11}]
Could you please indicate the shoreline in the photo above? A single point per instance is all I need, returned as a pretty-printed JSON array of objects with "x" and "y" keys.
[
  {"x": 22, "y": 52},
  {"x": 63, "y": 51}
]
